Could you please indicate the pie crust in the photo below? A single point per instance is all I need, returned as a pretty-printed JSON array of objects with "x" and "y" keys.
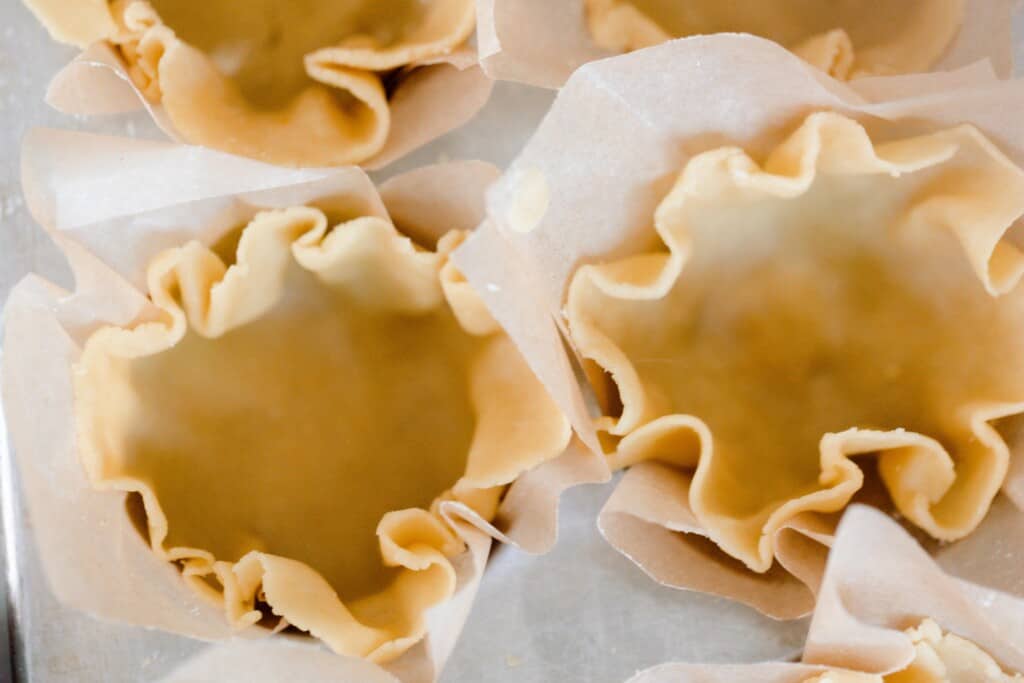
[
  {"x": 938, "y": 658},
  {"x": 299, "y": 83},
  {"x": 846, "y": 38},
  {"x": 842, "y": 298},
  {"x": 293, "y": 420}
]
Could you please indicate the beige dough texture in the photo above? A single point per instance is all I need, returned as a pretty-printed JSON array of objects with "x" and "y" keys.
[
  {"x": 839, "y": 299},
  {"x": 298, "y": 83},
  {"x": 938, "y": 658},
  {"x": 291, "y": 423},
  {"x": 846, "y": 38}
]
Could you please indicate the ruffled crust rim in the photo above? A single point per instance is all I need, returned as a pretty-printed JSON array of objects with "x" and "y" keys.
[
  {"x": 620, "y": 26},
  {"x": 825, "y": 143},
  {"x": 191, "y": 286},
  {"x": 207, "y": 108}
]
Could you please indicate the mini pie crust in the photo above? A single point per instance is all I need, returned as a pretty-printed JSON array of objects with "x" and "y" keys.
[
  {"x": 295, "y": 83},
  {"x": 294, "y": 419},
  {"x": 846, "y": 38},
  {"x": 938, "y": 658},
  {"x": 841, "y": 299}
]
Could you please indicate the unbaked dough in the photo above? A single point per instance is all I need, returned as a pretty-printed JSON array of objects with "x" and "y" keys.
[
  {"x": 838, "y": 299},
  {"x": 846, "y": 38},
  {"x": 292, "y": 420},
  {"x": 296, "y": 83},
  {"x": 938, "y": 658}
]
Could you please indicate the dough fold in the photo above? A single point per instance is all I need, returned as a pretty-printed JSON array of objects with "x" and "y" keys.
[
  {"x": 298, "y": 83},
  {"x": 293, "y": 421},
  {"x": 846, "y": 39},
  {"x": 841, "y": 299},
  {"x": 938, "y": 658}
]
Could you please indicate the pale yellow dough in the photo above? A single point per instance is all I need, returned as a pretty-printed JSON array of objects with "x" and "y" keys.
[
  {"x": 938, "y": 658},
  {"x": 291, "y": 421},
  {"x": 294, "y": 83},
  {"x": 846, "y": 38},
  {"x": 841, "y": 298}
]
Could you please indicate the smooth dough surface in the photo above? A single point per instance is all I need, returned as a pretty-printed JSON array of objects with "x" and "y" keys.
[
  {"x": 938, "y": 658},
  {"x": 843, "y": 37},
  {"x": 293, "y": 83},
  {"x": 298, "y": 413},
  {"x": 262, "y": 48},
  {"x": 840, "y": 299}
]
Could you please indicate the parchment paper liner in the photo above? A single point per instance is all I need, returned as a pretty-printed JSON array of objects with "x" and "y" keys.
[
  {"x": 542, "y": 43},
  {"x": 621, "y": 315},
  {"x": 112, "y": 204},
  {"x": 127, "y": 430},
  {"x": 878, "y": 583},
  {"x": 838, "y": 40},
  {"x": 435, "y": 95},
  {"x": 585, "y": 189}
]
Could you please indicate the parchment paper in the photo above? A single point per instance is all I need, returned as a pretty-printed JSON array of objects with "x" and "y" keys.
[
  {"x": 878, "y": 583},
  {"x": 430, "y": 101},
  {"x": 541, "y": 42},
  {"x": 112, "y": 204},
  {"x": 585, "y": 187},
  {"x": 629, "y": 614}
]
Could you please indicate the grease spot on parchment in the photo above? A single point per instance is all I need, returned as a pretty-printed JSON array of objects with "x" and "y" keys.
[{"x": 529, "y": 202}]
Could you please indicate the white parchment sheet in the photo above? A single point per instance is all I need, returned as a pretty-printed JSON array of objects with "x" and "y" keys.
[
  {"x": 584, "y": 190},
  {"x": 878, "y": 583},
  {"x": 109, "y": 202}
]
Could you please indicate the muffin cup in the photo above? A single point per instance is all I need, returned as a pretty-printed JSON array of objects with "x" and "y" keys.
[
  {"x": 542, "y": 43},
  {"x": 113, "y": 205},
  {"x": 585, "y": 190},
  {"x": 358, "y": 101}
]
